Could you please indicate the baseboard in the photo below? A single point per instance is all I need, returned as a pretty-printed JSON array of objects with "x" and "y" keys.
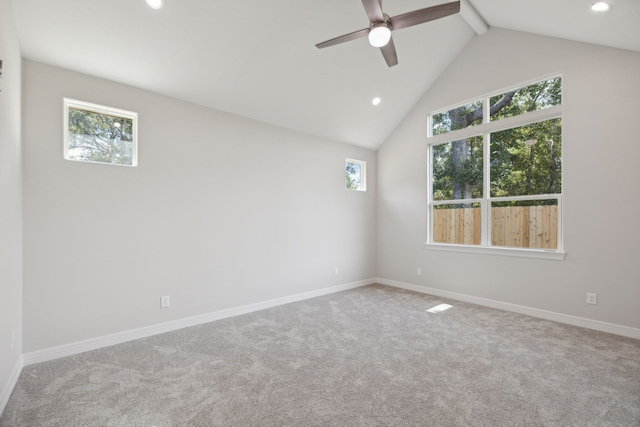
[
  {"x": 130, "y": 335},
  {"x": 10, "y": 385},
  {"x": 597, "y": 325}
]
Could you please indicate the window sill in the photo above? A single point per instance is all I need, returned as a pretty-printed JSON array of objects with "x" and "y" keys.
[{"x": 493, "y": 250}]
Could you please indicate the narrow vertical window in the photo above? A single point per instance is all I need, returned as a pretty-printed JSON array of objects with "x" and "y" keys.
[
  {"x": 99, "y": 134},
  {"x": 355, "y": 175}
]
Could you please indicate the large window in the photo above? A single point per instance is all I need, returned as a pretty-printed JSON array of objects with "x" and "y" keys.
[
  {"x": 495, "y": 172},
  {"x": 99, "y": 134}
]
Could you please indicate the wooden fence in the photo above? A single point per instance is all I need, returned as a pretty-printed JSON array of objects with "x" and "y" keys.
[{"x": 513, "y": 226}]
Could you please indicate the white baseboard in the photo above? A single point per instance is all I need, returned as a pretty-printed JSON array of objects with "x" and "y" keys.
[
  {"x": 7, "y": 389},
  {"x": 147, "y": 331},
  {"x": 597, "y": 325}
]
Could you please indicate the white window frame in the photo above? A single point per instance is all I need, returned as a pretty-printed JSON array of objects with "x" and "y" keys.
[
  {"x": 485, "y": 129},
  {"x": 104, "y": 110},
  {"x": 363, "y": 174}
]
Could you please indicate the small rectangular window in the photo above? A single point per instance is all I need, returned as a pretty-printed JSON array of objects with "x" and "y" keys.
[
  {"x": 355, "y": 175},
  {"x": 99, "y": 134}
]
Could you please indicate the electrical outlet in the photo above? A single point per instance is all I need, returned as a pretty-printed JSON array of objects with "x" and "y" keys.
[
  {"x": 591, "y": 299},
  {"x": 335, "y": 271},
  {"x": 164, "y": 302},
  {"x": 419, "y": 272}
]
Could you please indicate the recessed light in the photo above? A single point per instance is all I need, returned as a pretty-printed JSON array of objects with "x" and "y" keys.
[
  {"x": 600, "y": 6},
  {"x": 376, "y": 101},
  {"x": 155, "y": 4}
]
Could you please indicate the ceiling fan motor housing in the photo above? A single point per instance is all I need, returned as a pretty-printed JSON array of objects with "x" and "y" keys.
[{"x": 380, "y": 33}]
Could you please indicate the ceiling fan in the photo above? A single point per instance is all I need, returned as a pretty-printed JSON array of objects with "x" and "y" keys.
[{"x": 381, "y": 25}]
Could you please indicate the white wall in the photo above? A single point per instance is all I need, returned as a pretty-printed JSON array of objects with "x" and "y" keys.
[
  {"x": 10, "y": 205},
  {"x": 222, "y": 211},
  {"x": 601, "y": 152}
]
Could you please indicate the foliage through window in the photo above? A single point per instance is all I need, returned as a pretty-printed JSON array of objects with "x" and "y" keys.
[
  {"x": 95, "y": 133},
  {"x": 355, "y": 175},
  {"x": 495, "y": 170}
]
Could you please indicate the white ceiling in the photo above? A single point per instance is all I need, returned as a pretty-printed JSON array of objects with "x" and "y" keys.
[{"x": 258, "y": 58}]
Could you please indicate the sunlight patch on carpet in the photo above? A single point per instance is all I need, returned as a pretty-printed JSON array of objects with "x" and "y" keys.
[{"x": 439, "y": 308}]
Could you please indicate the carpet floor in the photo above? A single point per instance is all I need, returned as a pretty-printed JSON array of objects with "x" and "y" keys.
[{"x": 371, "y": 356}]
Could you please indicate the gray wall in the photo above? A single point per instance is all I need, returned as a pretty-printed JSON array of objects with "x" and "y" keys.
[
  {"x": 600, "y": 182},
  {"x": 222, "y": 211},
  {"x": 10, "y": 203}
]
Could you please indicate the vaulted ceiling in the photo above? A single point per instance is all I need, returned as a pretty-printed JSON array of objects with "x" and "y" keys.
[{"x": 258, "y": 58}]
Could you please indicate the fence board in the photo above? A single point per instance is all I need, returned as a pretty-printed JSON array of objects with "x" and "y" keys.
[
  {"x": 468, "y": 226},
  {"x": 459, "y": 221},
  {"x": 540, "y": 224},
  {"x": 553, "y": 225},
  {"x": 512, "y": 212},
  {"x": 477, "y": 226}
]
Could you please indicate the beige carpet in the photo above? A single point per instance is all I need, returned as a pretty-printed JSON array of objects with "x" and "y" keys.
[{"x": 371, "y": 356}]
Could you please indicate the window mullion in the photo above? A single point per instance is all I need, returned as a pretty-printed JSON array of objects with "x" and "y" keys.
[
  {"x": 485, "y": 205},
  {"x": 430, "y": 192},
  {"x": 485, "y": 111},
  {"x": 486, "y": 188},
  {"x": 560, "y": 242}
]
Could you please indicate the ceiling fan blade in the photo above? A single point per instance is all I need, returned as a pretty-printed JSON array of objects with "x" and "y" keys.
[
  {"x": 389, "y": 53},
  {"x": 374, "y": 10},
  {"x": 347, "y": 37},
  {"x": 421, "y": 16}
]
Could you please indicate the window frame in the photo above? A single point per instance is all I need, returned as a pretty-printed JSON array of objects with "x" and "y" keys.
[
  {"x": 103, "y": 110},
  {"x": 485, "y": 129},
  {"x": 363, "y": 174}
]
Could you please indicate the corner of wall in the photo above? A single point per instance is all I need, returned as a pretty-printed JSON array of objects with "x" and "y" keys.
[{"x": 11, "y": 361}]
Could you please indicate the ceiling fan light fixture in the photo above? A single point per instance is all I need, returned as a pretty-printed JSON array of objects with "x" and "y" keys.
[
  {"x": 155, "y": 4},
  {"x": 600, "y": 6},
  {"x": 380, "y": 34},
  {"x": 381, "y": 25}
]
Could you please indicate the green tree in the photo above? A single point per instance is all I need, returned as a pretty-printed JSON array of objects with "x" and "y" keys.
[
  {"x": 523, "y": 160},
  {"x": 352, "y": 173},
  {"x": 527, "y": 160},
  {"x": 100, "y": 138}
]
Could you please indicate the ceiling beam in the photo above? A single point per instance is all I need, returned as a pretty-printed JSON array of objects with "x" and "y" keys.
[{"x": 472, "y": 17}]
